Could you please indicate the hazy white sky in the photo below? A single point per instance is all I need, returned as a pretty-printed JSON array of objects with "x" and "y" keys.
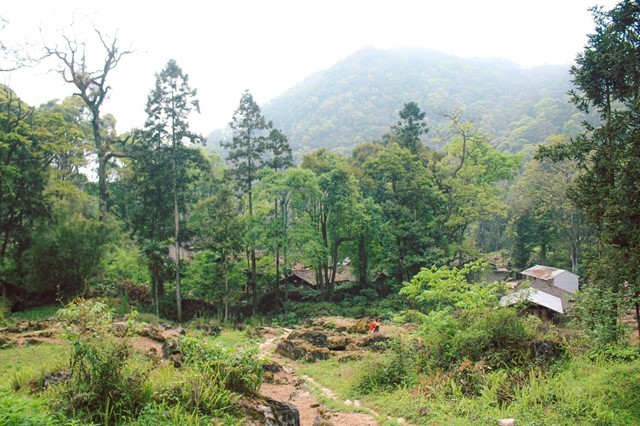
[{"x": 267, "y": 46}]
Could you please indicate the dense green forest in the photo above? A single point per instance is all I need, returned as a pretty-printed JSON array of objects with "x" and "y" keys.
[{"x": 412, "y": 171}]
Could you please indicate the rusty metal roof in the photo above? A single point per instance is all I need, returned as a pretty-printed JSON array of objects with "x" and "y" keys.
[
  {"x": 309, "y": 275},
  {"x": 543, "y": 272}
]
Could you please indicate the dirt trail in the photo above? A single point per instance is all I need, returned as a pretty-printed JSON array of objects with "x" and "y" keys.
[{"x": 286, "y": 386}]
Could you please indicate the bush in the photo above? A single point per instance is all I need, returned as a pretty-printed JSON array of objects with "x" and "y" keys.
[
  {"x": 17, "y": 410},
  {"x": 499, "y": 338},
  {"x": 197, "y": 392},
  {"x": 238, "y": 370},
  {"x": 389, "y": 372},
  {"x": 612, "y": 352},
  {"x": 5, "y": 312},
  {"x": 106, "y": 384}
]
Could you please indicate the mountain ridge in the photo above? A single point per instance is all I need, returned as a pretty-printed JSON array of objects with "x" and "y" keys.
[{"x": 357, "y": 99}]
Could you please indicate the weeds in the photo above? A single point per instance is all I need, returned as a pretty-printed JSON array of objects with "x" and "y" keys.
[{"x": 393, "y": 370}]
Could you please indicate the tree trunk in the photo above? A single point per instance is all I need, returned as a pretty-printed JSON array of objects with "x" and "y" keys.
[
  {"x": 101, "y": 152},
  {"x": 176, "y": 220},
  {"x": 638, "y": 319},
  {"x": 226, "y": 289},
  {"x": 363, "y": 266},
  {"x": 252, "y": 278},
  {"x": 277, "y": 281}
]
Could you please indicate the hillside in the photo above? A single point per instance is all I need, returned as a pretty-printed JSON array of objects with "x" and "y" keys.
[{"x": 357, "y": 99}]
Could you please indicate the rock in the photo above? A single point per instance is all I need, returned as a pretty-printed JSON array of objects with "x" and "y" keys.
[
  {"x": 40, "y": 334},
  {"x": 314, "y": 336},
  {"x": 119, "y": 328},
  {"x": 375, "y": 341},
  {"x": 299, "y": 349},
  {"x": 286, "y": 414},
  {"x": 300, "y": 394},
  {"x": 269, "y": 412},
  {"x": 153, "y": 332},
  {"x": 351, "y": 357},
  {"x": 260, "y": 331},
  {"x": 210, "y": 329},
  {"x": 272, "y": 367},
  {"x": 54, "y": 378},
  {"x": 360, "y": 327},
  {"x": 171, "y": 352},
  {"x": 506, "y": 422},
  {"x": 268, "y": 377},
  {"x": 321, "y": 421},
  {"x": 6, "y": 342},
  {"x": 322, "y": 338},
  {"x": 340, "y": 324},
  {"x": 338, "y": 343}
]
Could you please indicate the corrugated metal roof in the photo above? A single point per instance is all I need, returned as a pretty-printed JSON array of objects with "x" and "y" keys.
[
  {"x": 536, "y": 296},
  {"x": 543, "y": 294},
  {"x": 543, "y": 272}
]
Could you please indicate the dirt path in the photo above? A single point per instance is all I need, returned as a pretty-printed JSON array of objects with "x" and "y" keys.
[{"x": 283, "y": 384}]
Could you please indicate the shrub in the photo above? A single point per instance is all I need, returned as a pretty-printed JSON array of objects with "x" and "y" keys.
[
  {"x": 499, "y": 338},
  {"x": 197, "y": 391},
  {"x": 389, "y": 372},
  {"x": 5, "y": 312},
  {"x": 612, "y": 352},
  {"x": 239, "y": 371},
  {"x": 18, "y": 410},
  {"x": 106, "y": 381},
  {"x": 410, "y": 315},
  {"x": 106, "y": 384}
]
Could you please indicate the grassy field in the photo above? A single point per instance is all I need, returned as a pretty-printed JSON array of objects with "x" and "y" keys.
[
  {"x": 583, "y": 392},
  {"x": 24, "y": 360}
]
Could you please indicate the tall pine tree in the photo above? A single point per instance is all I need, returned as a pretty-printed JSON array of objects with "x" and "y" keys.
[
  {"x": 169, "y": 106},
  {"x": 255, "y": 144}
]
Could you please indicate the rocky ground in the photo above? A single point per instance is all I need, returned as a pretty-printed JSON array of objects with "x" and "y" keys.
[
  {"x": 284, "y": 392},
  {"x": 319, "y": 339},
  {"x": 30, "y": 333}
]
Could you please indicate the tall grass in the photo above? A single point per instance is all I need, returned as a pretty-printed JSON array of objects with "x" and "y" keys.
[{"x": 584, "y": 392}]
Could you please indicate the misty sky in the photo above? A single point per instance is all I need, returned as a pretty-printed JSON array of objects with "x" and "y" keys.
[{"x": 267, "y": 46}]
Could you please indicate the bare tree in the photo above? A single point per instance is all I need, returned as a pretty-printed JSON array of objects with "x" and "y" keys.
[
  {"x": 93, "y": 89},
  {"x": 14, "y": 56}
]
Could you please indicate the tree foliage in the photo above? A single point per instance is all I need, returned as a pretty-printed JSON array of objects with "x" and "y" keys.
[
  {"x": 606, "y": 78},
  {"x": 75, "y": 68}
]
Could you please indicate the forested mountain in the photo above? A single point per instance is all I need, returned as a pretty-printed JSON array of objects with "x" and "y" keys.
[{"x": 357, "y": 100}]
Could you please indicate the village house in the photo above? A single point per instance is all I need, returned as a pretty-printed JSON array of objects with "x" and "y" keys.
[
  {"x": 303, "y": 276},
  {"x": 547, "y": 290}
]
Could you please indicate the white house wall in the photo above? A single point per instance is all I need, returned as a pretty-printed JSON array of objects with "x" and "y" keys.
[{"x": 567, "y": 281}]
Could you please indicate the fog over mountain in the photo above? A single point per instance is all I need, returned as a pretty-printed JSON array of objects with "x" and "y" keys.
[{"x": 357, "y": 99}]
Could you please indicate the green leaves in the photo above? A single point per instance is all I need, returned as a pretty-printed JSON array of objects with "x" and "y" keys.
[{"x": 440, "y": 288}]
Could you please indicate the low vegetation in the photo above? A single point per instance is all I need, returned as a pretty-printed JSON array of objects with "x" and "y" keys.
[{"x": 98, "y": 378}]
